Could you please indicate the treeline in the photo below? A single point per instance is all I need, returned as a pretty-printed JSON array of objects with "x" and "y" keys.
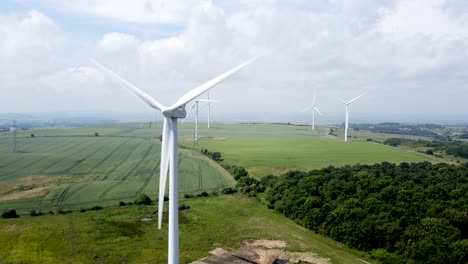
[
  {"x": 452, "y": 147},
  {"x": 407, "y": 213},
  {"x": 424, "y": 130}
]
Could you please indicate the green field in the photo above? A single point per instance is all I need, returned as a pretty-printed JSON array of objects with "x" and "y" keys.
[
  {"x": 262, "y": 150},
  {"x": 71, "y": 168},
  {"x": 116, "y": 235}
]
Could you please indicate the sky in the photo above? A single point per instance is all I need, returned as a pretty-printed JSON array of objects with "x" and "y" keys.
[{"x": 410, "y": 55}]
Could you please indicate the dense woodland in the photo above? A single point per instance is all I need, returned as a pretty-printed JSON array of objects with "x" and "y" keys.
[{"x": 407, "y": 213}]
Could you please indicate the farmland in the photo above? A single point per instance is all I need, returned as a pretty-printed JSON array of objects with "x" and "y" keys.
[
  {"x": 116, "y": 235},
  {"x": 81, "y": 167},
  {"x": 275, "y": 149},
  {"x": 73, "y": 168}
]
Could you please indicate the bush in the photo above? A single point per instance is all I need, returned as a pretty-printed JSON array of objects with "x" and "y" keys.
[
  {"x": 34, "y": 213},
  {"x": 83, "y": 210},
  {"x": 228, "y": 190},
  {"x": 187, "y": 196},
  {"x": 60, "y": 211},
  {"x": 95, "y": 208},
  {"x": 216, "y": 156},
  {"x": 96, "y": 134},
  {"x": 143, "y": 199},
  {"x": 370, "y": 139},
  {"x": 32, "y": 135},
  {"x": 183, "y": 207},
  {"x": 122, "y": 203},
  {"x": 429, "y": 152},
  {"x": 10, "y": 214},
  {"x": 204, "y": 194}
]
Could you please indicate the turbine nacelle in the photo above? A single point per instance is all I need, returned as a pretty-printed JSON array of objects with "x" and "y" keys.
[{"x": 178, "y": 112}]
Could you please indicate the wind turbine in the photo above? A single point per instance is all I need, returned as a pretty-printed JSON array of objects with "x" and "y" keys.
[
  {"x": 314, "y": 108},
  {"x": 347, "y": 113},
  {"x": 209, "y": 108},
  {"x": 195, "y": 105},
  {"x": 169, "y": 155}
]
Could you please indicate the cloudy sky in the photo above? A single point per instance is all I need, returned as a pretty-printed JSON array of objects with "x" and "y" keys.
[{"x": 411, "y": 55}]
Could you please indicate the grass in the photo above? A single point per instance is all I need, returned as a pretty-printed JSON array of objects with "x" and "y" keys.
[
  {"x": 116, "y": 235},
  {"x": 112, "y": 167},
  {"x": 300, "y": 149}
]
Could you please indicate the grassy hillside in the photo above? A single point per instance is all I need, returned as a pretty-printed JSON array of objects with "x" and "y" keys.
[{"x": 116, "y": 235}]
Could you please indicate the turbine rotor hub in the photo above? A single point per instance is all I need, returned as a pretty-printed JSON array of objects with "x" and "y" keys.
[{"x": 175, "y": 113}]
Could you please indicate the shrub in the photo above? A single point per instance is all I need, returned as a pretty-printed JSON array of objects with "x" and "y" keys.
[
  {"x": 429, "y": 152},
  {"x": 183, "y": 207},
  {"x": 10, "y": 214},
  {"x": 32, "y": 135},
  {"x": 95, "y": 208},
  {"x": 83, "y": 210},
  {"x": 122, "y": 203},
  {"x": 34, "y": 213},
  {"x": 204, "y": 194},
  {"x": 228, "y": 190},
  {"x": 370, "y": 139},
  {"x": 96, "y": 134},
  {"x": 187, "y": 196},
  {"x": 143, "y": 199}
]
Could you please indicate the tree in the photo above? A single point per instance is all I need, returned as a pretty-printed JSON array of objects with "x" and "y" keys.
[
  {"x": 10, "y": 214},
  {"x": 143, "y": 199}
]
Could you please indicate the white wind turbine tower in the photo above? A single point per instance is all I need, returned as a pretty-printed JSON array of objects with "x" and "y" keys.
[
  {"x": 209, "y": 108},
  {"x": 347, "y": 113},
  {"x": 169, "y": 155},
  {"x": 195, "y": 105},
  {"x": 314, "y": 108}
]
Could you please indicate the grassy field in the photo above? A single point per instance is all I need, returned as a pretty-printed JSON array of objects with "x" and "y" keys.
[
  {"x": 72, "y": 168},
  {"x": 116, "y": 235},
  {"x": 265, "y": 151}
]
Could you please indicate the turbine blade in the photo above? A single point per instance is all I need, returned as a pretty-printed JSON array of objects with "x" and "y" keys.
[
  {"x": 342, "y": 101},
  {"x": 315, "y": 95},
  {"x": 188, "y": 112},
  {"x": 307, "y": 108},
  {"x": 316, "y": 109},
  {"x": 208, "y": 85},
  {"x": 207, "y": 101},
  {"x": 163, "y": 166},
  {"x": 355, "y": 98},
  {"x": 142, "y": 95}
]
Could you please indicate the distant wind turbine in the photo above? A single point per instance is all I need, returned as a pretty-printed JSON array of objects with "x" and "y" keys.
[
  {"x": 347, "y": 113},
  {"x": 169, "y": 155},
  {"x": 195, "y": 106},
  {"x": 314, "y": 108}
]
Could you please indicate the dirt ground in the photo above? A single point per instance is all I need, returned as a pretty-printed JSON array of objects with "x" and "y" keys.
[
  {"x": 261, "y": 251},
  {"x": 36, "y": 186}
]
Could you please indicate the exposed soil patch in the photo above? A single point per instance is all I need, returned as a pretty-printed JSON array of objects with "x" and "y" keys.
[
  {"x": 261, "y": 251},
  {"x": 36, "y": 186}
]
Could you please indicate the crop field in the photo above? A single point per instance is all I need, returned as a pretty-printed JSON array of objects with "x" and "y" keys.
[
  {"x": 116, "y": 235},
  {"x": 74, "y": 169},
  {"x": 276, "y": 149}
]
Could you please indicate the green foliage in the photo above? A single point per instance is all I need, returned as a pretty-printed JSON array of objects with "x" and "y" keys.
[
  {"x": 238, "y": 172},
  {"x": 10, "y": 214},
  {"x": 143, "y": 199},
  {"x": 414, "y": 212},
  {"x": 116, "y": 235},
  {"x": 228, "y": 190}
]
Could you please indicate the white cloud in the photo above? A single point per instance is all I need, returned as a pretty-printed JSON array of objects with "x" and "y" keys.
[
  {"x": 115, "y": 42},
  {"x": 406, "y": 51}
]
